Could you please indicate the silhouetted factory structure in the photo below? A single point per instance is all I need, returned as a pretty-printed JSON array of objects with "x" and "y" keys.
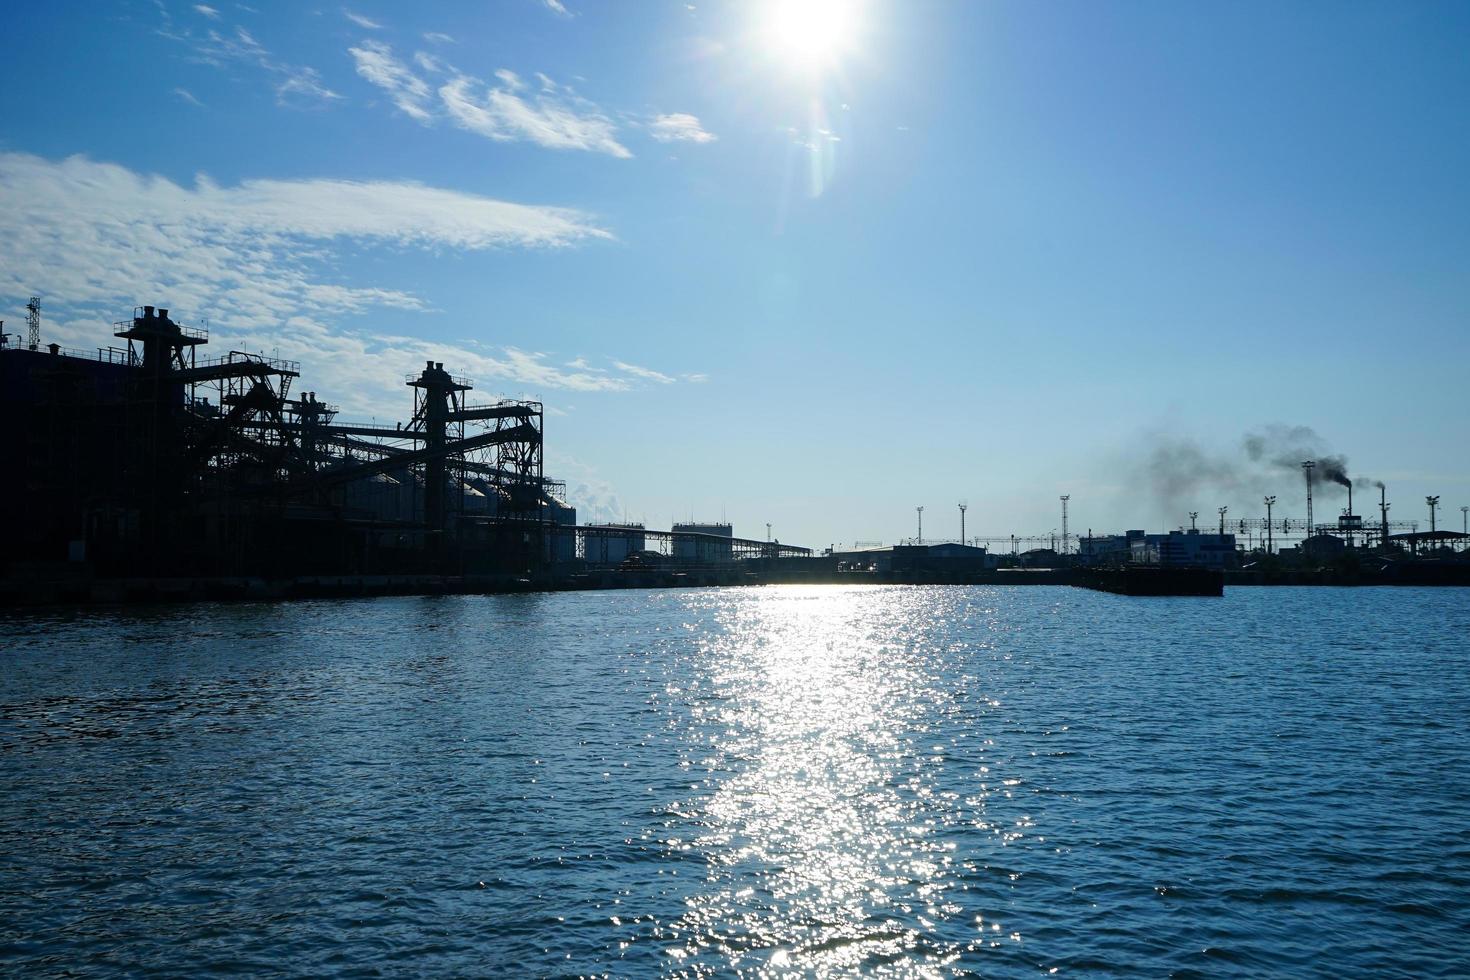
[{"x": 148, "y": 459}]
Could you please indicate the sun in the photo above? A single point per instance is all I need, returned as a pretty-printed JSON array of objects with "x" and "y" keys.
[{"x": 811, "y": 34}]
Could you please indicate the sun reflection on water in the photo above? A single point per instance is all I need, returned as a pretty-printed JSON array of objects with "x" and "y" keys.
[{"x": 830, "y": 845}]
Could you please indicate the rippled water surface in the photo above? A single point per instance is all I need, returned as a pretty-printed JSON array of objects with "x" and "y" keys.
[{"x": 898, "y": 781}]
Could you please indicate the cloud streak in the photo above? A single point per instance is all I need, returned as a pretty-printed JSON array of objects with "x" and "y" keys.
[
  {"x": 99, "y": 238},
  {"x": 365, "y": 23},
  {"x": 647, "y": 374},
  {"x": 298, "y": 85},
  {"x": 410, "y": 93},
  {"x": 676, "y": 127},
  {"x": 506, "y": 110}
]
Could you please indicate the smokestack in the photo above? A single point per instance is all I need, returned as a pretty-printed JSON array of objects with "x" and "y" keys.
[
  {"x": 1383, "y": 508},
  {"x": 147, "y": 312}
]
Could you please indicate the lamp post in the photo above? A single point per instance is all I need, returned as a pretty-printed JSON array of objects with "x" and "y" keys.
[
  {"x": 1065, "y": 497},
  {"x": 921, "y": 524},
  {"x": 962, "y": 506},
  {"x": 1270, "y": 502},
  {"x": 1433, "y": 503},
  {"x": 1222, "y": 520}
]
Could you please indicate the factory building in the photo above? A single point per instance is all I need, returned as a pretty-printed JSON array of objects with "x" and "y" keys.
[
  {"x": 1188, "y": 547},
  {"x": 609, "y": 544},
  {"x": 703, "y": 544},
  {"x": 945, "y": 557}
]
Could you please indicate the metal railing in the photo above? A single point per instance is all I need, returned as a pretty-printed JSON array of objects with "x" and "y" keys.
[{"x": 242, "y": 357}]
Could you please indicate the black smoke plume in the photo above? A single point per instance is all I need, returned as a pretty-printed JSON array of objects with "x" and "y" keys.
[{"x": 1270, "y": 459}]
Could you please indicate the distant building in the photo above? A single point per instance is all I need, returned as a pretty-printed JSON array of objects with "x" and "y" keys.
[
  {"x": 1106, "y": 549},
  {"x": 1195, "y": 548},
  {"x": 1323, "y": 546},
  {"x": 1039, "y": 558},
  {"x": 946, "y": 557},
  {"x": 707, "y": 547},
  {"x": 609, "y": 544},
  {"x": 1189, "y": 547}
]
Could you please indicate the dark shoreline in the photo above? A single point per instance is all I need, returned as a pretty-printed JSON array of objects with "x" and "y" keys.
[{"x": 61, "y": 589}]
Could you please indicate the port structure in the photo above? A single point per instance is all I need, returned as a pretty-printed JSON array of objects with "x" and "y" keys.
[{"x": 147, "y": 457}]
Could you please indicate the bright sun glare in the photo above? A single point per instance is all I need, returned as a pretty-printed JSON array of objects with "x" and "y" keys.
[{"x": 811, "y": 33}]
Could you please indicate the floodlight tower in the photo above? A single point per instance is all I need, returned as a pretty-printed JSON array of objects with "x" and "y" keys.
[
  {"x": 1270, "y": 502},
  {"x": 1065, "y": 497},
  {"x": 1465, "y": 520},
  {"x": 1222, "y": 520},
  {"x": 1193, "y": 519},
  {"x": 921, "y": 524},
  {"x": 962, "y": 506},
  {"x": 33, "y": 323},
  {"x": 1307, "y": 466},
  {"x": 1433, "y": 503}
]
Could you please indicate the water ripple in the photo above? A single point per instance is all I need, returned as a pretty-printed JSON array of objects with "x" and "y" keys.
[{"x": 744, "y": 782}]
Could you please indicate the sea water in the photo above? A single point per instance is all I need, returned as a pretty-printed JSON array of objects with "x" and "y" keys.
[{"x": 891, "y": 781}]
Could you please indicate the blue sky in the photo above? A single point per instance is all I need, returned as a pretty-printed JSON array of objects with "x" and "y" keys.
[{"x": 990, "y": 251}]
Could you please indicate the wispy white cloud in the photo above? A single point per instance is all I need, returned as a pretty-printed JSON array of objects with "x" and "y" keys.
[
  {"x": 302, "y": 85},
  {"x": 365, "y": 23},
  {"x": 506, "y": 110},
  {"x": 647, "y": 374},
  {"x": 298, "y": 85},
  {"x": 411, "y": 94},
  {"x": 207, "y": 11},
  {"x": 557, "y": 7},
  {"x": 437, "y": 37},
  {"x": 100, "y": 238},
  {"x": 679, "y": 127},
  {"x": 555, "y": 119},
  {"x": 188, "y": 97}
]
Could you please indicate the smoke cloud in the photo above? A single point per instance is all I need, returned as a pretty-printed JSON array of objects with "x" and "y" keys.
[{"x": 1269, "y": 460}]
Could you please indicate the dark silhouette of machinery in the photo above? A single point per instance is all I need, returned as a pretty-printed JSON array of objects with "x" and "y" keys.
[{"x": 148, "y": 459}]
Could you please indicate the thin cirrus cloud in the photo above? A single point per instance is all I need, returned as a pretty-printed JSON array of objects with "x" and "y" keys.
[
  {"x": 96, "y": 238},
  {"x": 509, "y": 112},
  {"x": 294, "y": 85},
  {"x": 557, "y": 7},
  {"x": 508, "y": 108},
  {"x": 505, "y": 110},
  {"x": 410, "y": 93},
  {"x": 647, "y": 374},
  {"x": 675, "y": 127},
  {"x": 366, "y": 23}
]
